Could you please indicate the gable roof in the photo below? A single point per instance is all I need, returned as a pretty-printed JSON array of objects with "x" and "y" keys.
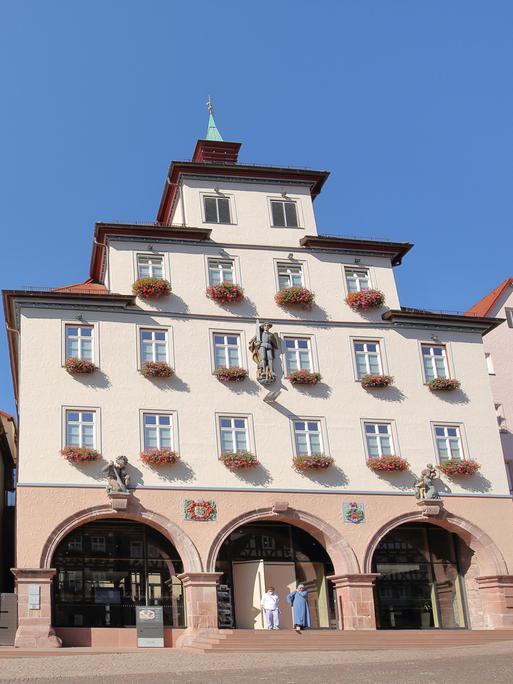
[{"x": 486, "y": 304}]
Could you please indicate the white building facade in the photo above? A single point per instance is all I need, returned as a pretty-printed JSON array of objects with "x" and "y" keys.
[{"x": 201, "y": 538}]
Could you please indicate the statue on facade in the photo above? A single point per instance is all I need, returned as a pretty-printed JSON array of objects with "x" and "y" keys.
[
  {"x": 425, "y": 487},
  {"x": 262, "y": 347},
  {"x": 117, "y": 476}
]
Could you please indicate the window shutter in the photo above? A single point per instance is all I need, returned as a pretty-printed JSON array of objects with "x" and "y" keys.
[
  {"x": 211, "y": 210},
  {"x": 223, "y": 206},
  {"x": 278, "y": 214},
  {"x": 291, "y": 214}
]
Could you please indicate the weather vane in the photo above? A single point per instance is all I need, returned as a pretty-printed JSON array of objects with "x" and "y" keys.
[{"x": 210, "y": 106}]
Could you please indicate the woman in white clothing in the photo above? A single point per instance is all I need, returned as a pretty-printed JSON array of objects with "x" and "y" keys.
[{"x": 270, "y": 605}]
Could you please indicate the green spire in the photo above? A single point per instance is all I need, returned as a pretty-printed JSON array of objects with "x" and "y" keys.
[{"x": 212, "y": 131}]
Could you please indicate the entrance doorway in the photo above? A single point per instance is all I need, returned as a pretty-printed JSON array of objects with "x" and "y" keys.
[
  {"x": 105, "y": 569},
  {"x": 260, "y": 555},
  {"x": 420, "y": 582}
]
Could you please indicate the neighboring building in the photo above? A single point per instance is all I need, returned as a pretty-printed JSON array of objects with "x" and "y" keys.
[
  {"x": 7, "y": 500},
  {"x": 498, "y": 348},
  {"x": 201, "y": 538}
]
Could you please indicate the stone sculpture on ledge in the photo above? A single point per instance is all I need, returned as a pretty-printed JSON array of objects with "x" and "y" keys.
[
  {"x": 117, "y": 475},
  {"x": 262, "y": 347},
  {"x": 425, "y": 487}
]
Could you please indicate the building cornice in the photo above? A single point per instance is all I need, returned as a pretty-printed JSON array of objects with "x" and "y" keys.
[
  {"x": 395, "y": 251},
  {"x": 408, "y": 317},
  {"x": 145, "y": 231}
]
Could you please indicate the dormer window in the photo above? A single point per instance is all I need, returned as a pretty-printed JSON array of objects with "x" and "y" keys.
[
  {"x": 217, "y": 209},
  {"x": 284, "y": 214},
  {"x": 149, "y": 266}
]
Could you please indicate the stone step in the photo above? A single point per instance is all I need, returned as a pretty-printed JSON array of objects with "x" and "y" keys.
[{"x": 334, "y": 640}]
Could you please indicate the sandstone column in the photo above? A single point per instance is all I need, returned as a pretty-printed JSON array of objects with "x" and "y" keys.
[
  {"x": 496, "y": 594},
  {"x": 355, "y": 600},
  {"x": 200, "y": 605},
  {"x": 34, "y": 590}
]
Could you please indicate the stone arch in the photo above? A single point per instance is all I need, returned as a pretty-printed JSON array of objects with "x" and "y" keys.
[
  {"x": 185, "y": 547},
  {"x": 491, "y": 560},
  {"x": 342, "y": 555}
]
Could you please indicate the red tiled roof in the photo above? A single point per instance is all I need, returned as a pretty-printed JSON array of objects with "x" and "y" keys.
[
  {"x": 485, "y": 305},
  {"x": 87, "y": 287},
  {"x": 6, "y": 415}
]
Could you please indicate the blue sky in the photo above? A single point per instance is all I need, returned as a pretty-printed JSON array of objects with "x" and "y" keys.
[{"x": 409, "y": 104}]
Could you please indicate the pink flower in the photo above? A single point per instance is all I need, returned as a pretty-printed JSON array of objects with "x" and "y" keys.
[
  {"x": 225, "y": 293},
  {"x": 295, "y": 296},
  {"x": 364, "y": 300}
]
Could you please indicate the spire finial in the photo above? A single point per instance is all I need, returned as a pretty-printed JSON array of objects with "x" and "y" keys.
[{"x": 212, "y": 132}]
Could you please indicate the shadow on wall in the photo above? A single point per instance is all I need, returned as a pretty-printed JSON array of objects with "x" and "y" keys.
[
  {"x": 246, "y": 386},
  {"x": 454, "y": 397},
  {"x": 402, "y": 480},
  {"x": 330, "y": 477},
  {"x": 245, "y": 308},
  {"x": 255, "y": 476},
  {"x": 97, "y": 380},
  {"x": 475, "y": 483},
  {"x": 316, "y": 313},
  {"x": 177, "y": 472},
  {"x": 387, "y": 393},
  {"x": 170, "y": 384},
  {"x": 320, "y": 391}
]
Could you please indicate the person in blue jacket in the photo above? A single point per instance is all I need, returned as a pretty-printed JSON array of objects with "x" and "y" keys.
[{"x": 299, "y": 601}]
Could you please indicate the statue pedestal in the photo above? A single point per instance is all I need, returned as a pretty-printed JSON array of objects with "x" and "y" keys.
[
  {"x": 431, "y": 507},
  {"x": 119, "y": 500}
]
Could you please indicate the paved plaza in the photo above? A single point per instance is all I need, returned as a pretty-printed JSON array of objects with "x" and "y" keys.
[{"x": 465, "y": 665}]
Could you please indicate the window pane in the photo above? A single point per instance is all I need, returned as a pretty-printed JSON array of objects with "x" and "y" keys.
[
  {"x": 165, "y": 438},
  {"x": 241, "y": 440},
  {"x": 87, "y": 350},
  {"x": 361, "y": 367},
  {"x": 291, "y": 214},
  {"x": 150, "y": 420},
  {"x": 164, "y": 420},
  {"x": 226, "y": 422},
  {"x": 150, "y": 438},
  {"x": 71, "y": 348},
  {"x": 301, "y": 443},
  {"x": 219, "y": 357},
  {"x": 372, "y": 445},
  {"x": 240, "y": 423},
  {"x": 227, "y": 441},
  {"x": 291, "y": 361},
  {"x": 315, "y": 443},
  {"x": 374, "y": 364},
  {"x": 233, "y": 357},
  {"x": 161, "y": 353},
  {"x": 223, "y": 206},
  {"x": 284, "y": 281},
  {"x": 210, "y": 210},
  {"x": 304, "y": 357},
  {"x": 278, "y": 214}
]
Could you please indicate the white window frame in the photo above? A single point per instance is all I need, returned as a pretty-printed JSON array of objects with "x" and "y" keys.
[
  {"x": 225, "y": 346},
  {"x": 173, "y": 424},
  {"x": 293, "y": 200},
  {"x": 445, "y": 357},
  {"x": 249, "y": 426},
  {"x": 311, "y": 354},
  {"x": 286, "y": 265},
  {"x": 321, "y": 431},
  {"x": 380, "y": 352},
  {"x": 153, "y": 343},
  {"x": 392, "y": 432},
  {"x": 356, "y": 267},
  {"x": 220, "y": 195},
  {"x": 233, "y": 417},
  {"x": 79, "y": 338},
  {"x": 242, "y": 348},
  {"x": 158, "y": 328},
  {"x": 150, "y": 255},
  {"x": 461, "y": 440},
  {"x": 95, "y": 338},
  {"x": 221, "y": 260},
  {"x": 96, "y": 425}
]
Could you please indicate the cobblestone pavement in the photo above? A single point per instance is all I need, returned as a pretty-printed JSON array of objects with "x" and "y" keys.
[{"x": 492, "y": 663}]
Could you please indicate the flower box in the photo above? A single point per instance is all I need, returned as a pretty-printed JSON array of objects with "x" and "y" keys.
[
  {"x": 231, "y": 374},
  {"x": 151, "y": 288},
  {"x": 238, "y": 460},
  {"x": 365, "y": 300},
  {"x": 80, "y": 454},
  {"x": 295, "y": 296},
  {"x": 76, "y": 366},
  {"x": 387, "y": 464},
  {"x": 455, "y": 468},
  {"x": 444, "y": 384},
  {"x": 312, "y": 462},
  {"x": 159, "y": 457},
  {"x": 303, "y": 377},
  {"x": 225, "y": 293},
  {"x": 370, "y": 381},
  {"x": 156, "y": 369}
]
